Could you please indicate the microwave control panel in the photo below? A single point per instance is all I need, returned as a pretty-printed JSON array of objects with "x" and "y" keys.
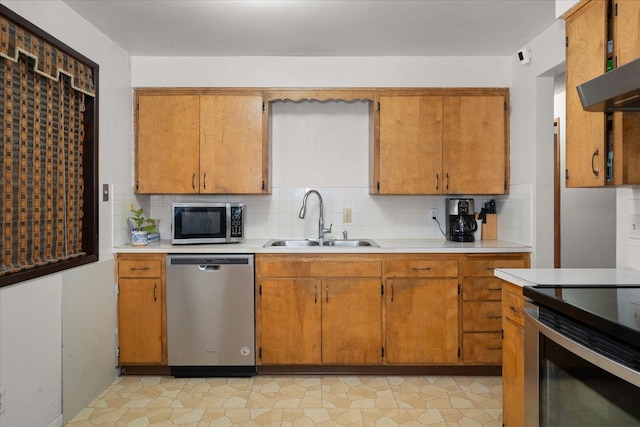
[{"x": 236, "y": 221}]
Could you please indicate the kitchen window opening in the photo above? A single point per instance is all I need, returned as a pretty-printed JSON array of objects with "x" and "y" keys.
[{"x": 48, "y": 160}]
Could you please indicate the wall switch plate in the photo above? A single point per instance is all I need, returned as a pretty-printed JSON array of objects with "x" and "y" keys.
[
  {"x": 346, "y": 215},
  {"x": 634, "y": 226},
  {"x": 105, "y": 192},
  {"x": 433, "y": 213},
  {"x": 2, "y": 407}
]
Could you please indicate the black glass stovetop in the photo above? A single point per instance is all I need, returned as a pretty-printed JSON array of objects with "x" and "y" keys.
[{"x": 614, "y": 310}]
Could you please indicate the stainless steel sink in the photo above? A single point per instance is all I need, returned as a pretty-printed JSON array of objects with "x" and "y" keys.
[
  {"x": 351, "y": 243},
  {"x": 289, "y": 243},
  {"x": 306, "y": 242}
]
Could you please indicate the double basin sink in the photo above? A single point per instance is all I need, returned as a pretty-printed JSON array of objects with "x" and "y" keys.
[{"x": 334, "y": 243}]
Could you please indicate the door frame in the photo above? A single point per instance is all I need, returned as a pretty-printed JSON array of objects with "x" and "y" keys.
[{"x": 556, "y": 194}]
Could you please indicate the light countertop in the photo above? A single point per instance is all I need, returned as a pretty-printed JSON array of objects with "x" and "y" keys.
[
  {"x": 569, "y": 276},
  {"x": 386, "y": 246}
]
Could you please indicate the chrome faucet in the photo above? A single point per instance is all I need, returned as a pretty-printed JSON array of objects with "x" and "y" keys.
[{"x": 303, "y": 210}]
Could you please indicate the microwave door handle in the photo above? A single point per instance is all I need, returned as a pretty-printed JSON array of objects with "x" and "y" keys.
[
  {"x": 587, "y": 354},
  {"x": 228, "y": 222}
]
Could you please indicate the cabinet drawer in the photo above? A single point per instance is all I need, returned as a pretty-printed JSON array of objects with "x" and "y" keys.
[
  {"x": 485, "y": 267},
  {"x": 513, "y": 307},
  {"x": 483, "y": 288},
  {"x": 142, "y": 267},
  {"x": 481, "y": 316},
  {"x": 421, "y": 268},
  {"x": 320, "y": 268},
  {"x": 485, "y": 348}
]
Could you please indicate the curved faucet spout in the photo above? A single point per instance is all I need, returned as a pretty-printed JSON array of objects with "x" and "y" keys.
[{"x": 303, "y": 211}]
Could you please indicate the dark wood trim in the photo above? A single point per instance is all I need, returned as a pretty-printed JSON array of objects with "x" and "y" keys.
[
  {"x": 145, "y": 370},
  {"x": 557, "y": 183},
  {"x": 90, "y": 229},
  {"x": 379, "y": 370},
  {"x": 338, "y": 370}
]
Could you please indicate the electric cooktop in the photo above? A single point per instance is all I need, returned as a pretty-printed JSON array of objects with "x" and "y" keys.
[{"x": 614, "y": 310}]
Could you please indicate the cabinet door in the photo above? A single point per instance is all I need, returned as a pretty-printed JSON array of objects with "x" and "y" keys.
[
  {"x": 627, "y": 32},
  {"x": 586, "y": 54},
  {"x": 140, "y": 310},
  {"x": 513, "y": 375},
  {"x": 231, "y": 152},
  {"x": 351, "y": 321},
  {"x": 410, "y": 145},
  {"x": 474, "y": 153},
  {"x": 290, "y": 321},
  {"x": 167, "y": 146},
  {"x": 422, "y": 321}
]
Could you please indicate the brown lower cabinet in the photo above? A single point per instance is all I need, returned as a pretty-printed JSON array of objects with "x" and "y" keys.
[
  {"x": 513, "y": 355},
  {"x": 380, "y": 309},
  {"x": 318, "y": 310},
  {"x": 141, "y": 309},
  {"x": 350, "y": 309}
]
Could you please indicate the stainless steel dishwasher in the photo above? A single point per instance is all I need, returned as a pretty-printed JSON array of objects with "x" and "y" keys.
[{"x": 210, "y": 315}]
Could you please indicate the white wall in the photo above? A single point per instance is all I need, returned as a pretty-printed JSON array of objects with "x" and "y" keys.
[
  {"x": 627, "y": 248},
  {"x": 532, "y": 134},
  {"x": 34, "y": 313},
  {"x": 588, "y": 218}
]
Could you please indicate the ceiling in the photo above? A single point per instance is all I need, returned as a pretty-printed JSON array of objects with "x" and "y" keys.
[{"x": 318, "y": 27}]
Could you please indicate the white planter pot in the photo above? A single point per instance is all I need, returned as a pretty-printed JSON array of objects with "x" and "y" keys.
[{"x": 139, "y": 238}]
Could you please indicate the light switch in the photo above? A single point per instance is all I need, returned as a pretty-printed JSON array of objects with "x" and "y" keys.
[{"x": 105, "y": 192}]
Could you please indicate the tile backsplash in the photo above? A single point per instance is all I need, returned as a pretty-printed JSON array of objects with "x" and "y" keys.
[
  {"x": 276, "y": 215},
  {"x": 375, "y": 217}
]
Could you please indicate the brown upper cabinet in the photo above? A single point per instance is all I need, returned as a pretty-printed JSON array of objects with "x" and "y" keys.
[
  {"x": 602, "y": 149},
  {"x": 451, "y": 141},
  {"x": 207, "y": 142},
  {"x": 423, "y": 141}
]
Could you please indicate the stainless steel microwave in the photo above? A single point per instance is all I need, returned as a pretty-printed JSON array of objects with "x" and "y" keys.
[{"x": 196, "y": 223}]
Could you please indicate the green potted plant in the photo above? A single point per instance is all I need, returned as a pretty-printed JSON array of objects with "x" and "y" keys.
[{"x": 142, "y": 227}]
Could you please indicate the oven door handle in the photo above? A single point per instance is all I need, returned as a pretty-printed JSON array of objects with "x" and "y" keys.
[{"x": 587, "y": 354}]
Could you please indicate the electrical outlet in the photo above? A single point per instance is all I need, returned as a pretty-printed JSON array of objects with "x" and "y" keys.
[
  {"x": 433, "y": 213},
  {"x": 2, "y": 408},
  {"x": 346, "y": 215},
  {"x": 634, "y": 226}
]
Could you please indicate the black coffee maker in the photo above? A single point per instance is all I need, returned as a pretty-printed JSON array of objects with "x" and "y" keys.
[{"x": 461, "y": 222}]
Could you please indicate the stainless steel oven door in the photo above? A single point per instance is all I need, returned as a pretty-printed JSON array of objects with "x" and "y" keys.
[{"x": 568, "y": 383}]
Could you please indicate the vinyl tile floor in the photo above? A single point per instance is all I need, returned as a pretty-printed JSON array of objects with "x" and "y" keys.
[{"x": 326, "y": 400}]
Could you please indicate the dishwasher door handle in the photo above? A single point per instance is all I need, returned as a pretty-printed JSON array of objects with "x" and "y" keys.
[{"x": 204, "y": 267}]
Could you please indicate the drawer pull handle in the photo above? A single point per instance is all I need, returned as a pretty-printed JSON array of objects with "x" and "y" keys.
[
  {"x": 139, "y": 268},
  {"x": 327, "y": 293},
  {"x": 515, "y": 310},
  {"x": 422, "y": 268},
  {"x": 392, "y": 293},
  {"x": 493, "y": 348},
  {"x": 315, "y": 294},
  {"x": 490, "y": 316},
  {"x": 489, "y": 268},
  {"x": 492, "y": 289},
  {"x": 155, "y": 286}
]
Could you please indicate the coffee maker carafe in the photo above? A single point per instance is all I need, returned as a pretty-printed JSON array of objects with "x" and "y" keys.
[{"x": 461, "y": 222}]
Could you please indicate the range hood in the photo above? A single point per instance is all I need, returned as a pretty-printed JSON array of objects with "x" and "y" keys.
[{"x": 616, "y": 90}]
